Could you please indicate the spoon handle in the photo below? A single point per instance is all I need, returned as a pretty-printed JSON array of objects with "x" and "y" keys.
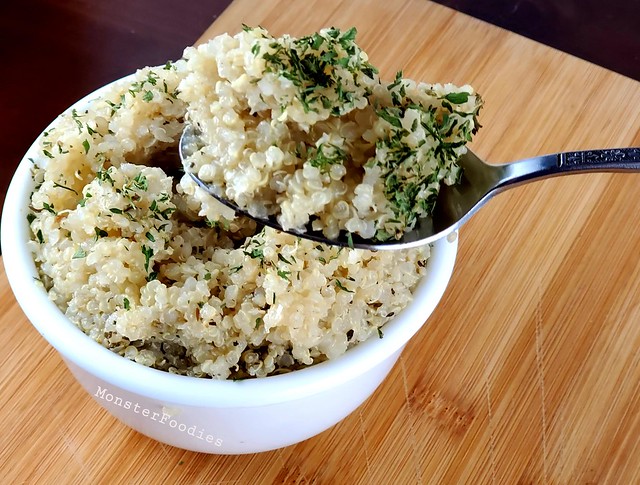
[
  {"x": 608, "y": 160},
  {"x": 565, "y": 163}
]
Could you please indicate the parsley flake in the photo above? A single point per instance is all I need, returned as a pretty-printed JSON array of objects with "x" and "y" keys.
[
  {"x": 342, "y": 287},
  {"x": 79, "y": 254},
  {"x": 284, "y": 274},
  {"x": 60, "y": 186},
  {"x": 49, "y": 208},
  {"x": 148, "y": 254},
  {"x": 140, "y": 182},
  {"x": 457, "y": 98}
]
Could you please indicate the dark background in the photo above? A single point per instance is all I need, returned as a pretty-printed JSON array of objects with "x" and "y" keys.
[
  {"x": 605, "y": 32},
  {"x": 53, "y": 52}
]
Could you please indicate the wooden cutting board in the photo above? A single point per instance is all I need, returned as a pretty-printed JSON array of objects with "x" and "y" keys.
[{"x": 529, "y": 370}]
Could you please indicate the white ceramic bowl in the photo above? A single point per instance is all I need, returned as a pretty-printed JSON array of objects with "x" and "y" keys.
[{"x": 224, "y": 417}]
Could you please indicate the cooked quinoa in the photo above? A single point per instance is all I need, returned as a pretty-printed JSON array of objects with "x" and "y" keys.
[
  {"x": 153, "y": 268},
  {"x": 303, "y": 129}
]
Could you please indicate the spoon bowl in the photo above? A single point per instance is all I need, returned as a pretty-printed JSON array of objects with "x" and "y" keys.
[{"x": 455, "y": 204}]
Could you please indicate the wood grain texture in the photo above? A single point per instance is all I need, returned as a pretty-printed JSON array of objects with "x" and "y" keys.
[{"x": 528, "y": 371}]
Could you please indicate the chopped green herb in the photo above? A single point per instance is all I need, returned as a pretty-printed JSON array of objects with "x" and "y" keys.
[
  {"x": 86, "y": 146},
  {"x": 100, "y": 232},
  {"x": 148, "y": 254},
  {"x": 115, "y": 210},
  {"x": 147, "y": 96},
  {"x": 380, "y": 334},
  {"x": 389, "y": 117},
  {"x": 114, "y": 106},
  {"x": 284, "y": 274},
  {"x": 140, "y": 182},
  {"x": 83, "y": 201},
  {"x": 283, "y": 259},
  {"x": 49, "y": 208},
  {"x": 56, "y": 184},
  {"x": 150, "y": 237},
  {"x": 314, "y": 65},
  {"x": 396, "y": 82},
  {"x": 342, "y": 287},
  {"x": 255, "y": 253},
  {"x": 39, "y": 236},
  {"x": 349, "y": 35},
  {"x": 104, "y": 175},
  {"x": 327, "y": 154},
  {"x": 60, "y": 150},
  {"x": 127, "y": 305},
  {"x": 47, "y": 153},
  {"x": 259, "y": 321},
  {"x": 235, "y": 269},
  {"x": 152, "y": 78},
  {"x": 76, "y": 118},
  {"x": 457, "y": 98},
  {"x": 31, "y": 217},
  {"x": 316, "y": 41},
  {"x": 166, "y": 213},
  {"x": 79, "y": 254}
]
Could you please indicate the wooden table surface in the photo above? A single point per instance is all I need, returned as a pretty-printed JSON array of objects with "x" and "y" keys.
[{"x": 528, "y": 371}]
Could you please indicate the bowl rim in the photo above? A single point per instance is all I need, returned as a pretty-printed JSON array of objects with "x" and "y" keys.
[{"x": 84, "y": 352}]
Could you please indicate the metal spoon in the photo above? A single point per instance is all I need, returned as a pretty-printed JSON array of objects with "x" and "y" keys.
[{"x": 456, "y": 203}]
